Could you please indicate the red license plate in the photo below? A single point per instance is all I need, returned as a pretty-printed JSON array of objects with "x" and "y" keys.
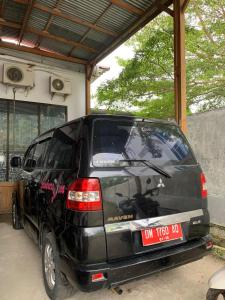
[{"x": 151, "y": 236}]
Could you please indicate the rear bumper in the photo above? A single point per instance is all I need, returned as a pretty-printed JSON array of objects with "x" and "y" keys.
[{"x": 117, "y": 273}]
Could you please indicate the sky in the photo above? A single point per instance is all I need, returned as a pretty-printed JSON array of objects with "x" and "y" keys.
[{"x": 110, "y": 61}]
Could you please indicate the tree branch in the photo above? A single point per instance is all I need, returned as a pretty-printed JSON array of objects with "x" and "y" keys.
[{"x": 207, "y": 33}]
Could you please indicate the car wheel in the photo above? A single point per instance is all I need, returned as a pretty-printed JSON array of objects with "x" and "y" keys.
[
  {"x": 15, "y": 216},
  {"x": 56, "y": 285},
  {"x": 213, "y": 294}
]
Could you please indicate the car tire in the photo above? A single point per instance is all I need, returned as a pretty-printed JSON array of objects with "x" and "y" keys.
[
  {"x": 16, "y": 223},
  {"x": 213, "y": 294},
  {"x": 56, "y": 285}
]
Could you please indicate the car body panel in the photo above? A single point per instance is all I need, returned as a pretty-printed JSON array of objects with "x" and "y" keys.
[
  {"x": 216, "y": 281},
  {"x": 134, "y": 197}
]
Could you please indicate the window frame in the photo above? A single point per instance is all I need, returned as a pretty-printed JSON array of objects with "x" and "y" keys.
[
  {"x": 74, "y": 153},
  {"x": 32, "y": 146},
  {"x": 47, "y": 141}
]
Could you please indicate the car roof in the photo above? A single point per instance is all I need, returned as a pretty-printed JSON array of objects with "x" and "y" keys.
[
  {"x": 49, "y": 133},
  {"x": 129, "y": 117}
]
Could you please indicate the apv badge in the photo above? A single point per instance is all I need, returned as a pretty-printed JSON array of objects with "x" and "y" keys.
[{"x": 160, "y": 184}]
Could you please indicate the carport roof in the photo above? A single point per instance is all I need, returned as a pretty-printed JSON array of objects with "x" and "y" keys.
[{"x": 80, "y": 31}]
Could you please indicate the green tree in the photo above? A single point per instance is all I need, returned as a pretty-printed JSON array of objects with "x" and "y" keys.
[{"x": 145, "y": 85}]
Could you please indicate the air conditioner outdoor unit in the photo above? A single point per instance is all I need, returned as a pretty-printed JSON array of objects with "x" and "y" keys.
[
  {"x": 18, "y": 75},
  {"x": 59, "y": 85}
]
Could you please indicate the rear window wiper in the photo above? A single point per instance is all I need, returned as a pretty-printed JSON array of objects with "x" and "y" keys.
[{"x": 150, "y": 165}]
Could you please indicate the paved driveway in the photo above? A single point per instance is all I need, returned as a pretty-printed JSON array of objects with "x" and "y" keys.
[{"x": 21, "y": 278}]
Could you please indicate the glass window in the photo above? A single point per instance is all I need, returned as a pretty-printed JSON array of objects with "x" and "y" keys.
[
  {"x": 51, "y": 116},
  {"x": 23, "y": 125},
  {"x": 63, "y": 147},
  {"x": 162, "y": 144},
  {"x": 28, "y": 159},
  {"x": 39, "y": 154}
]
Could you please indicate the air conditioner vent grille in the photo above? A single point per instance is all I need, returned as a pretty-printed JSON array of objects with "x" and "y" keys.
[
  {"x": 18, "y": 74},
  {"x": 15, "y": 74},
  {"x": 58, "y": 84}
]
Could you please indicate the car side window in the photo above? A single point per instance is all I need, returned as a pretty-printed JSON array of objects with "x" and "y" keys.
[
  {"x": 39, "y": 153},
  {"x": 63, "y": 146},
  {"x": 28, "y": 163}
]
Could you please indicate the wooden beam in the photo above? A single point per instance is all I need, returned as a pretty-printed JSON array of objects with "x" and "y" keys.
[
  {"x": 58, "y": 13},
  {"x": 74, "y": 19},
  {"x": 10, "y": 24},
  {"x": 47, "y": 35},
  {"x": 165, "y": 8},
  {"x": 43, "y": 53},
  {"x": 57, "y": 38},
  {"x": 86, "y": 33},
  {"x": 26, "y": 20},
  {"x": 128, "y": 7},
  {"x": 179, "y": 65},
  {"x": 50, "y": 19}
]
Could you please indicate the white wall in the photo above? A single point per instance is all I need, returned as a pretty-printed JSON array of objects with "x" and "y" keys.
[{"x": 40, "y": 92}]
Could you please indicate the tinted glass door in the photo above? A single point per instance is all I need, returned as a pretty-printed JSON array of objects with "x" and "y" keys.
[
  {"x": 20, "y": 123},
  {"x": 23, "y": 128}
]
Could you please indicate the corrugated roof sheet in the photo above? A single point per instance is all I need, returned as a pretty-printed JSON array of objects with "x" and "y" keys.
[
  {"x": 69, "y": 25},
  {"x": 14, "y": 11},
  {"x": 86, "y": 10},
  {"x": 38, "y": 20},
  {"x": 64, "y": 32},
  {"x": 55, "y": 46},
  {"x": 92, "y": 43},
  {"x": 99, "y": 37},
  {"x": 81, "y": 53},
  {"x": 117, "y": 19},
  {"x": 142, "y": 4},
  {"x": 49, "y": 3},
  {"x": 94, "y": 23},
  {"x": 31, "y": 38},
  {"x": 9, "y": 32}
]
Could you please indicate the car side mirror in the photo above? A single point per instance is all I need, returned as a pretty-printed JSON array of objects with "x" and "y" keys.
[{"x": 16, "y": 162}]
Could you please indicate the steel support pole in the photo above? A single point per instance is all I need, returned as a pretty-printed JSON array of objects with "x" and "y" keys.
[{"x": 179, "y": 64}]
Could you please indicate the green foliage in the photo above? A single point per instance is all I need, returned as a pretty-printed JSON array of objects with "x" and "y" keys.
[{"x": 145, "y": 85}]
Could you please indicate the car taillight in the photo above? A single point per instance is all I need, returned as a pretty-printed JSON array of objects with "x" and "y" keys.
[
  {"x": 84, "y": 194},
  {"x": 97, "y": 277},
  {"x": 203, "y": 186}
]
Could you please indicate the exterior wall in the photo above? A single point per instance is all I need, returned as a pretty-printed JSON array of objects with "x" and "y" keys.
[
  {"x": 206, "y": 134},
  {"x": 40, "y": 92},
  {"x": 43, "y": 69}
]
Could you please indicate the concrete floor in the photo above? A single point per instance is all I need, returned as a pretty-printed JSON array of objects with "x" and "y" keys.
[{"x": 21, "y": 277}]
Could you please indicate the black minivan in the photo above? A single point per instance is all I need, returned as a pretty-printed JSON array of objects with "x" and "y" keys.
[{"x": 109, "y": 199}]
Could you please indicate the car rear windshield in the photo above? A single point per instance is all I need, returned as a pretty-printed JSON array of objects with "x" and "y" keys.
[{"x": 117, "y": 141}]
